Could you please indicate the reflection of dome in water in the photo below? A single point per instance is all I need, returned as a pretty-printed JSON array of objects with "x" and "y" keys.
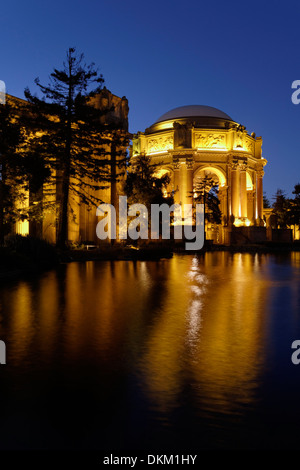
[{"x": 193, "y": 111}]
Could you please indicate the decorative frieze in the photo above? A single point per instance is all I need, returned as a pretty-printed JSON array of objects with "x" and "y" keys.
[
  {"x": 160, "y": 143},
  {"x": 211, "y": 141}
]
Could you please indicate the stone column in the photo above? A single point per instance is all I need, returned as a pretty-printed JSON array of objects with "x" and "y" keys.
[
  {"x": 223, "y": 196},
  {"x": 259, "y": 193},
  {"x": 189, "y": 189},
  {"x": 189, "y": 181},
  {"x": 182, "y": 185},
  {"x": 235, "y": 190},
  {"x": 184, "y": 189},
  {"x": 176, "y": 183},
  {"x": 243, "y": 190},
  {"x": 251, "y": 206},
  {"x": 229, "y": 207}
]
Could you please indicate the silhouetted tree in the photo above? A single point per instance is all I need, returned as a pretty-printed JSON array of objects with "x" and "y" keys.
[
  {"x": 207, "y": 193},
  {"x": 73, "y": 139},
  {"x": 280, "y": 208},
  {"x": 295, "y": 206},
  {"x": 143, "y": 186},
  {"x": 266, "y": 202},
  {"x": 13, "y": 179}
]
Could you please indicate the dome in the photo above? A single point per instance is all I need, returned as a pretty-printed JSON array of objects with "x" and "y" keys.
[{"x": 192, "y": 111}]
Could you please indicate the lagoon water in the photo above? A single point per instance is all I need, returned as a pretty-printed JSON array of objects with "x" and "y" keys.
[{"x": 187, "y": 353}]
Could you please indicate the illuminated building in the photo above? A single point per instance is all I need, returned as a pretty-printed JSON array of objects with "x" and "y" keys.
[
  {"x": 192, "y": 142},
  {"x": 82, "y": 218}
]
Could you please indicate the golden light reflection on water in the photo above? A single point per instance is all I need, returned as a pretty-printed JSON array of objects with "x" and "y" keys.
[
  {"x": 196, "y": 322},
  {"x": 211, "y": 327}
]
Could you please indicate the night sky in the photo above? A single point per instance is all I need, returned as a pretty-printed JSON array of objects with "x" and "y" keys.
[{"x": 240, "y": 57}]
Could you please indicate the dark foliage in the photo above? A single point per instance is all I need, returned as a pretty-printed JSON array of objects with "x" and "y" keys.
[{"x": 72, "y": 139}]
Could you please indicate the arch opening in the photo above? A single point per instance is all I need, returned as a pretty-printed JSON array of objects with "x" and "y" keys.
[{"x": 215, "y": 173}]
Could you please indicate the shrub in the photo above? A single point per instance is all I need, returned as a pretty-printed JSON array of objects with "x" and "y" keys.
[{"x": 40, "y": 252}]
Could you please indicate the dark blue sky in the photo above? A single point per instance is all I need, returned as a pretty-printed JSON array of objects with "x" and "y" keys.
[{"x": 239, "y": 56}]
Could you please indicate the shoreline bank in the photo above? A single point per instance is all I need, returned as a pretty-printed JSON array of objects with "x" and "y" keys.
[{"x": 14, "y": 266}]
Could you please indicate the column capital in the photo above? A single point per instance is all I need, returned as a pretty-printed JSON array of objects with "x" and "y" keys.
[
  {"x": 260, "y": 173},
  {"x": 176, "y": 163},
  {"x": 243, "y": 166},
  {"x": 234, "y": 165},
  {"x": 189, "y": 163}
]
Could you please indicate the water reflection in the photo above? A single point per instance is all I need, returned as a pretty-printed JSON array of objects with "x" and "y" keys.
[
  {"x": 211, "y": 330},
  {"x": 192, "y": 332}
]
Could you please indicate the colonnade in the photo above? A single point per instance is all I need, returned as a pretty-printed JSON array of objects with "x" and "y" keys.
[{"x": 236, "y": 198}]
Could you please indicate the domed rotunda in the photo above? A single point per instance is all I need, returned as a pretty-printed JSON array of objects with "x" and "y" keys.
[{"x": 195, "y": 142}]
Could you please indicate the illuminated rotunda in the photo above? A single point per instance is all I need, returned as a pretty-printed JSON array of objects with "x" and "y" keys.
[{"x": 192, "y": 142}]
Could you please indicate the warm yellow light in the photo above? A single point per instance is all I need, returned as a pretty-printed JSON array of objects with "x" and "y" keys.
[
  {"x": 241, "y": 222},
  {"x": 214, "y": 149},
  {"x": 178, "y": 222},
  {"x": 158, "y": 151},
  {"x": 214, "y": 170},
  {"x": 237, "y": 222},
  {"x": 22, "y": 228},
  {"x": 249, "y": 182},
  {"x": 160, "y": 173},
  {"x": 164, "y": 125}
]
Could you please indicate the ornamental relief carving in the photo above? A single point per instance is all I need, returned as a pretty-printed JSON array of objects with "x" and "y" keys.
[
  {"x": 249, "y": 146},
  {"x": 239, "y": 140},
  {"x": 135, "y": 147},
  {"x": 156, "y": 144},
  {"x": 210, "y": 141}
]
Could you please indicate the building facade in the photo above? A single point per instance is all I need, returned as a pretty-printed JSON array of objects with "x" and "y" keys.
[
  {"x": 82, "y": 218},
  {"x": 194, "y": 142}
]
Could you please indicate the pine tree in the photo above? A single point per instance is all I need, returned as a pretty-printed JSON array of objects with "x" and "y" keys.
[
  {"x": 295, "y": 206},
  {"x": 207, "y": 193},
  {"x": 280, "y": 208},
  {"x": 73, "y": 139},
  {"x": 13, "y": 177},
  {"x": 267, "y": 204},
  {"x": 143, "y": 186}
]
